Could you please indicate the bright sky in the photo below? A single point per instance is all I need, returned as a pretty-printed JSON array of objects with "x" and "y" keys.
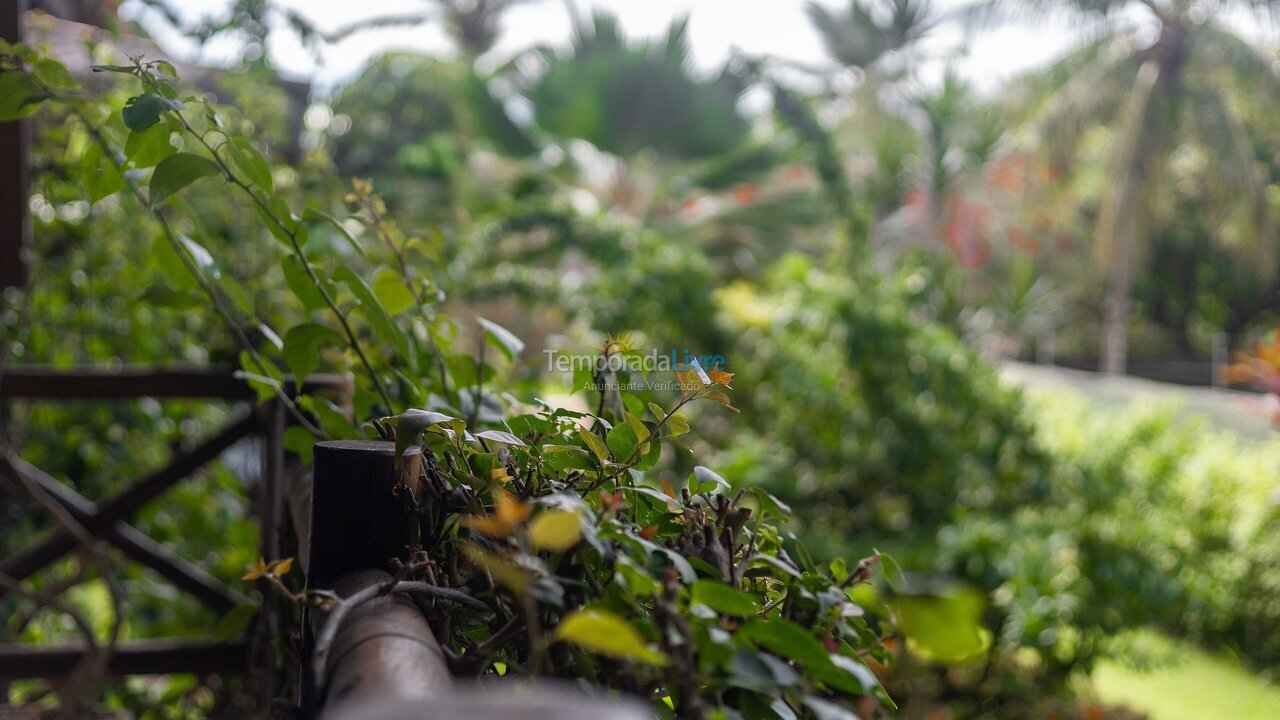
[{"x": 774, "y": 27}]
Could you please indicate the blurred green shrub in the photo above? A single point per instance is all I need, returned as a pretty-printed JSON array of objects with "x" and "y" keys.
[
  {"x": 877, "y": 421},
  {"x": 1150, "y": 521}
]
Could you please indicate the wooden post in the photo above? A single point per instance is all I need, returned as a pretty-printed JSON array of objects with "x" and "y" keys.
[
  {"x": 358, "y": 524},
  {"x": 357, "y": 520},
  {"x": 15, "y": 169}
]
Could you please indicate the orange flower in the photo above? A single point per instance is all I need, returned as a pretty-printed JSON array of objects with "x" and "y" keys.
[
  {"x": 261, "y": 569},
  {"x": 722, "y": 378},
  {"x": 1262, "y": 368}
]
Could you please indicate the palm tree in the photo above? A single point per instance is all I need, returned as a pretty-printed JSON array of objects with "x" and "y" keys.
[
  {"x": 1157, "y": 96},
  {"x": 473, "y": 24},
  {"x": 626, "y": 96},
  {"x": 863, "y": 38},
  {"x": 877, "y": 41}
]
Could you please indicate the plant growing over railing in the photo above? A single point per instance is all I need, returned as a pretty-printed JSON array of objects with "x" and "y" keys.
[{"x": 576, "y": 555}]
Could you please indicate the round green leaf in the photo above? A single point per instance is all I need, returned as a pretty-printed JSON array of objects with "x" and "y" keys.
[{"x": 178, "y": 171}]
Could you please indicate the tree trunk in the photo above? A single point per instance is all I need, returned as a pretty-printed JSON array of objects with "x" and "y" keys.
[{"x": 1115, "y": 347}]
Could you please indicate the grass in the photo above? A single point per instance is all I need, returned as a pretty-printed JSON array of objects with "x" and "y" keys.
[{"x": 1197, "y": 686}]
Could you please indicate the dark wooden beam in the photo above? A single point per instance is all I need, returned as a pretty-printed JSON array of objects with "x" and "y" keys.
[
  {"x": 139, "y": 657},
  {"x": 34, "y": 382},
  {"x": 132, "y": 542},
  {"x": 15, "y": 169},
  {"x": 122, "y": 506}
]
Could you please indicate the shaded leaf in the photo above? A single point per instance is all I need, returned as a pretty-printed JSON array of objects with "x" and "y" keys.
[
  {"x": 142, "y": 111},
  {"x": 178, "y": 171},
  {"x": 723, "y": 598},
  {"x": 302, "y": 348},
  {"x": 502, "y": 338}
]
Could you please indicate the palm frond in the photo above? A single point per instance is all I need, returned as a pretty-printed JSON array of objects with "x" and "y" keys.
[
  {"x": 1135, "y": 151},
  {"x": 1089, "y": 86},
  {"x": 1247, "y": 227}
]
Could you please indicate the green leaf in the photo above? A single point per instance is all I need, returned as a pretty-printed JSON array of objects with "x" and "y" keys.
[
  {"x": 722, "y": 598},
  {"x": 250, "y": 163},
  {"x": 892, "y": 571},
  {"x": 54, "y": 74},
  {"x": 167, "y": 68},
  {"x": 394, "y": 295},
  {"x": 945, "y": 627},
  {"x": 709, "y": 479},
  {"x": 178, "y": 171},
  {"x": 502, "y": 437},
  {"x": 299, "y": 282},
  {"x": 641, "y": 430},
  {"x": 595, "y": 444},
  {"x": 786, "y": 639},
  {"x": 299, "y": 441},
  {"x": 312, "y": 214},
  {"x": 501, "y": 337},
  {"x": 235, "y": 622},
  {"x": 607, "y": 634},
  {"x": 656, "y": 410},
  {"x": 19, "y": 95},
  {"x": 99, "y": 176},
  {"x": 410, "y": 425},
  {"x": 147, "y": 148},
  {"x": 166, "y": 296},
  {"x": 678, "y": 424},
  {"x": 769, "y": 502},
  {"x": 142, "y": 111},
  {"x": 277, "y": 209},
  {"x": 126, "y": 69},
  {"x": 555, "y": 530},
  {"x": 621, "y": 441},
  {"x": 302, "y": 348},
  {"x": 379, "y": 319},
  {"x": 565, "y": 457}
]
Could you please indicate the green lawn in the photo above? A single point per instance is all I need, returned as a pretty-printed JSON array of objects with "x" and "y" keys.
[{"x": 1199, "y": 686}]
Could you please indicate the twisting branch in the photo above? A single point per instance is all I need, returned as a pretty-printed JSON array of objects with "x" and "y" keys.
[{"x": 343, "y": 606}]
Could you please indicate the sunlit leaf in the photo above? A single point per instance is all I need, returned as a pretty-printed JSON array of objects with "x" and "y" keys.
[
  {"x": 594, "y": 443},
  {"x": 555, "y": 530},
  {"x": 502, "y": 437},
  {"x": 19, "y": 96},
  {"x": 607, "y": 634},
  {"x": 945, "y": 627}
]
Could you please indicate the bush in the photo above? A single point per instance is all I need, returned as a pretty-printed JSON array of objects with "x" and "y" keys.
[
  {"x": 876, "y": 422},
  {"x": 1150, "y": 521}
]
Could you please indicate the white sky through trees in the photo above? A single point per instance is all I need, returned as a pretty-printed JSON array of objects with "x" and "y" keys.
[{"x": 773, "y": 27}]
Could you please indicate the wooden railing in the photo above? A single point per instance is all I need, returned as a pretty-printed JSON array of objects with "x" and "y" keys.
[
  {"x": 374, "y": 659},
  {"x": 107, "y": 520}
]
